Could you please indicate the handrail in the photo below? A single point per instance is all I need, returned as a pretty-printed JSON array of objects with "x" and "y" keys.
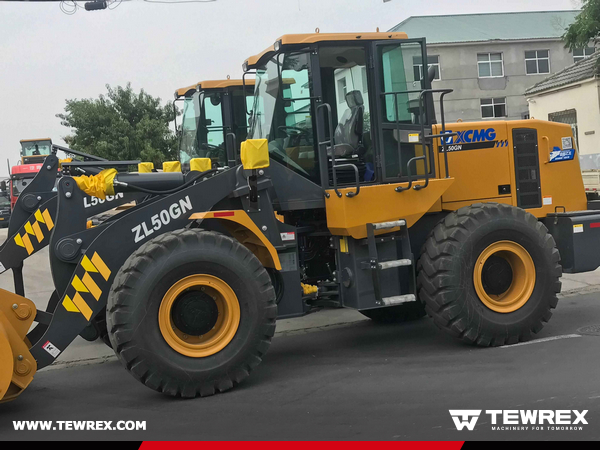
[
  {"x": 423, "y": 138},
  {"x": 416, "y": 187},
  {"x": 356, "y": 178},
  {"x": 244, "y": 89},
  {"x": 330, "y": 143},
  {"x": 231, "y": 151}
]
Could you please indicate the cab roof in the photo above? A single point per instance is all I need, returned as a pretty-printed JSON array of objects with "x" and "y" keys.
[
  {"x": 212, "y": 84},
  {"x": 311, "y": 38},
  {"x": 35, "y": 140}
]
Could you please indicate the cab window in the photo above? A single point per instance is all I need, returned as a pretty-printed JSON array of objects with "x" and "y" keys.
[
  {"x": 282, "y": 112},
  {"x": 400, "y": 111},
  {"x": 345, "y": 88},
  {"x": 212, "y": 132}
]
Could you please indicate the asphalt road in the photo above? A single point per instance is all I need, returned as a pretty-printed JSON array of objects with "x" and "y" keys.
[{"x": 356, "y": 381}]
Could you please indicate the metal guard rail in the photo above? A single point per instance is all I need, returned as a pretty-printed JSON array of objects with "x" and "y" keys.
[
  {"x": 442, "y": 135},
  {"x": 328, "y": 143}
]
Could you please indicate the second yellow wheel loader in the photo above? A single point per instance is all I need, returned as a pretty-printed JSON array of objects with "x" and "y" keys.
[
  {"x": 214, "y": 120},
  {"x": 381, "y": 207}
]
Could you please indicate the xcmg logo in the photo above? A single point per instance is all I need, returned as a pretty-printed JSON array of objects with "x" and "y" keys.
[
  {"x": 522, "y": 420},
  {"x": 470, "y": 136}
]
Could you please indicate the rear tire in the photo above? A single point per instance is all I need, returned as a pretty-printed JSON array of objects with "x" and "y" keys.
[
  {"x": 180, "y": 364},
  {"x": 517, "y": 290},
  {"x": 407, "y": 312}
]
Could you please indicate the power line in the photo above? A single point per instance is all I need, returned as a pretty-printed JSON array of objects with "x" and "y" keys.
[{"x": 70, "y": 7}]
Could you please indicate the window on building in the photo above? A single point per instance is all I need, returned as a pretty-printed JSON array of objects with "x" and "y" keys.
[
  {"x": 537, "y": 62},
  {"x": 568, "y": 116},
  {"x": 432, "y": 61},
  {"x": 341, "y": 88},
  {"x": 582, "y": 53},
  {"x": 493, "y": 107},
  {"x": 490, "y": 65}
]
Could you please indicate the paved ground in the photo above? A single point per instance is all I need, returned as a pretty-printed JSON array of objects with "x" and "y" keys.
[{"x": 337, "y": 376}]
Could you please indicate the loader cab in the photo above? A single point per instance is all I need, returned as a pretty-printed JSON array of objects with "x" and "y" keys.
[
  {"x": 345, "y": 109},
  {"x": 214, "y": 121},
  {"x": 35, "y": 150}
]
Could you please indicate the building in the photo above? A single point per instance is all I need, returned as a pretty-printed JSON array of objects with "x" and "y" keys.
[
  {"x": 572, "y": 96},
  {"x": 491, "y": 59}
]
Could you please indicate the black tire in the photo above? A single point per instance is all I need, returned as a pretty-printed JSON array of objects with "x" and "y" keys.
[
  {"x": 99, "y": 323},
  {"x": 396, "y": 314},
  {"x": 446, "y": 274},
  {"x": 136, "y": 295}
]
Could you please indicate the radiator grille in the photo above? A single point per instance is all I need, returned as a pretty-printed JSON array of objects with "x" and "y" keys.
[{"x": 527, "y": 167}]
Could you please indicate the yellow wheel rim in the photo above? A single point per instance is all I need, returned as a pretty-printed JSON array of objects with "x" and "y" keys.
[
  {"x": 523, "y": 277},
  {"x": 226, "y": 324}
]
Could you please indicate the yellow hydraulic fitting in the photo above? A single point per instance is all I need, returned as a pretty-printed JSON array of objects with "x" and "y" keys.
[{"x": 309, "y": 289}]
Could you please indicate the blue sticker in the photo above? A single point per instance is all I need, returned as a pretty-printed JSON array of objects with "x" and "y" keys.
[{"x": 558, "y": 155}]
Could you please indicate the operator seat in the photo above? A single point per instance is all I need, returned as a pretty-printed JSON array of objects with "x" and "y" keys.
[{"x": 348, "y": 135}]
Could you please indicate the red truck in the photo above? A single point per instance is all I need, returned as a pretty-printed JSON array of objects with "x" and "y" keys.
[{"x": 21, "y": 176}]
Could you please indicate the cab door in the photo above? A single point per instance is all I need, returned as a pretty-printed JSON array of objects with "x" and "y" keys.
[{"x": 403, "y": 114}]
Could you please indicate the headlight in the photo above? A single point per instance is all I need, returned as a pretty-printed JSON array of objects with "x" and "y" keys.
[
  {"x": 245, "y": 66},
  {"x": 277, "y": 45}
]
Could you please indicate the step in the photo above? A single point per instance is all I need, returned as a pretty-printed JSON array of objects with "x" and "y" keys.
[
  {"x": 388, "y": 225},
  {"x": 398, "y": 263},
  {"x": 399, "y": 299}
]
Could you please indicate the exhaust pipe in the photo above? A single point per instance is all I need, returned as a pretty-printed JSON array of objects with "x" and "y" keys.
[{"x": 17, "y": 365}]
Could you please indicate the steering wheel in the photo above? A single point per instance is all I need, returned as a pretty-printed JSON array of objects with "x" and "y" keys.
[
  {"x": 207, "y": 146},
  {"x": 293, "y": 131}
]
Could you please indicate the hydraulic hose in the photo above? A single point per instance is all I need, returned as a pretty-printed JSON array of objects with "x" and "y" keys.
[{"x": 133, "y": 187}]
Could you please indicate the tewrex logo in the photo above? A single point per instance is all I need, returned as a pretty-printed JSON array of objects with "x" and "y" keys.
[
  {"x": 517, "y": 420},
  {"x": 471, "y": 139},
  {"x": 465, "y": 418}
]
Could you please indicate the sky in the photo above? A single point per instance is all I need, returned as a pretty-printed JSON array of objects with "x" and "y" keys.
[{"x": 47, "y": 56}]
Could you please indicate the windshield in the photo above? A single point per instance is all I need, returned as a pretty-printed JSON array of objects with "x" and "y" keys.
[
  {"x": 189, "y": 127},
  {"x": 202, "y": 129},
  {"x": 282, "y": 112},
  {"x": 35, "y": 148},
  {"x": 18, "y": 184},
  {"x": 4, "y": 201}
]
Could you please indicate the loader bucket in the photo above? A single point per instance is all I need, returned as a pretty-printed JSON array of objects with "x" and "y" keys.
[{"x": 17, "y": 365}]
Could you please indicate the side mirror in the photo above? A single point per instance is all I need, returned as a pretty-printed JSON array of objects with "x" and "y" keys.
[{"x": 3, "y": 186}]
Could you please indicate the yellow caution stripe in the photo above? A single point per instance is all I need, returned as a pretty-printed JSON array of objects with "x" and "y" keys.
[
  {"x": 69, "y": 305},
  {"x": 34, "y": 229},
  {"x": 101, "y": 266},
  {"x": 82, "y": 306},
  {"x": 85, "y": 286}
]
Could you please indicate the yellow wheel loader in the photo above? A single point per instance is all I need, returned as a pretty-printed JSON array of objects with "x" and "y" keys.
[
  {"x": 35, "y": 150},
  {"x": 379, "y": 206},
  {"x": 214, "y": 120}
]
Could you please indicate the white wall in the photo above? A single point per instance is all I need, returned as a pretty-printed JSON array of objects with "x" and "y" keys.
[{"x": 584, "y": 98}]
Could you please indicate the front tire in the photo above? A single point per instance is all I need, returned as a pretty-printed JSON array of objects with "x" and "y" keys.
[
  {"x": 191, "y": 313},
  {"x": 489, "y": 274}
]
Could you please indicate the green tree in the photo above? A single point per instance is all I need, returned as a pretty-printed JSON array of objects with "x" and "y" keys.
[
  {"x": 122, "y": 125},
  {"x": 586, "y": 27}
]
